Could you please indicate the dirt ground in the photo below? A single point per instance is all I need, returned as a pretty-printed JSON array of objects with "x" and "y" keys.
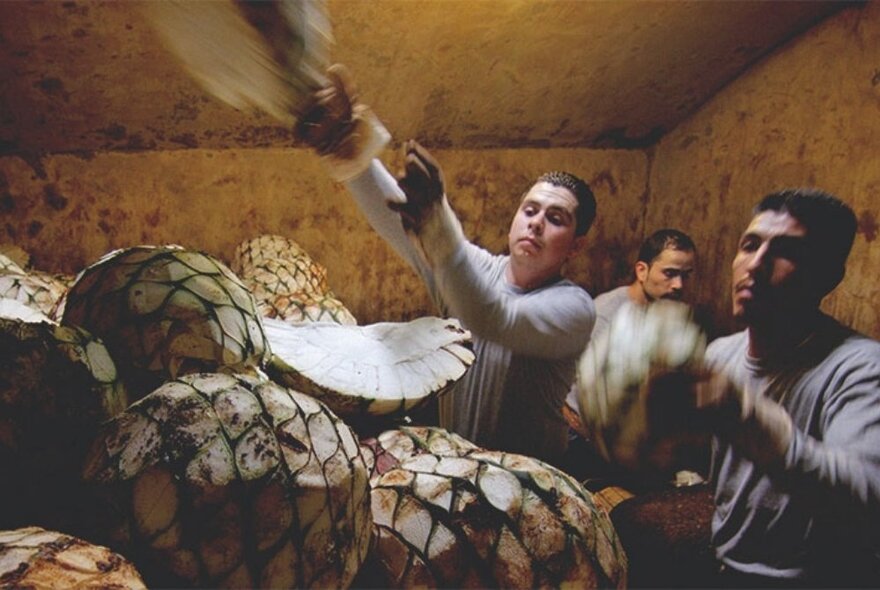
[{"x": 666, "y": 537}]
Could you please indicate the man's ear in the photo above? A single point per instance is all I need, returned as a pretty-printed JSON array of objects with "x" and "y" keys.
[{"x": 641, "y": 269}]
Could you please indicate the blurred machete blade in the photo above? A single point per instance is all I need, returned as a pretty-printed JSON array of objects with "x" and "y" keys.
[{"x": 268, "y": 55}]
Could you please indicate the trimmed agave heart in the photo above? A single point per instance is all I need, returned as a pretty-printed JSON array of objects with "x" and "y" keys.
[
  {"x": 490, "y": 519},
  {"x": 16, "y": 310},
  {"x": 380, "y": 369},
  {"x": 166, "y": 311},
  {"x": 286, "y": 282},
  {"x": 219, "y": 480},
  {"x": 57, "y": 385},
  {"x": 34, "y": 557},
  {"x": 627, "y": 382}
]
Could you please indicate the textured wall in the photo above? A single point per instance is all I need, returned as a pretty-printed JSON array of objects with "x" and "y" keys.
[
  {"x": 68, "y": 210},
  {"x": 808, "y": 116}
]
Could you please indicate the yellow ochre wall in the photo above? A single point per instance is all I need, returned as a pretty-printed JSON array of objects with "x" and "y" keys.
[
  {"x": 807, "y": 116},
  {"x": 67, "y": 211}
]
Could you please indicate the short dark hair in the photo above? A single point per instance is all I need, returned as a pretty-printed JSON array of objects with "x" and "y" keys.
[
  {"x": 830, "y": 223},
  {"x": 586, "y": 209},
  {"x": 661, "y": 240}
]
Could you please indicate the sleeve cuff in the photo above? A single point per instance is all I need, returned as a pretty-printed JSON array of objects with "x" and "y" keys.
[{"x": 366, "y": 141}]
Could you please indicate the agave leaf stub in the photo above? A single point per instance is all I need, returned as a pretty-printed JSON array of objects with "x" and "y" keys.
[
  {"x": 379, "y": 369},
  {"x": 166, "y": 311}
]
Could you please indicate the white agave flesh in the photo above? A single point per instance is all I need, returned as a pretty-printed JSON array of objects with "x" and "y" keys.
[
  {"x": 501, "y": 488},
  {"x": 16, "y": 310},
  {"x": 384, "y": 367},
  {"x": 274, "y": 69},
  {"x": 434, "y": 489}
]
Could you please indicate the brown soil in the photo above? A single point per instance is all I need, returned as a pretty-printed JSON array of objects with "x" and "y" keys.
[{"x": 666, "y": 537}]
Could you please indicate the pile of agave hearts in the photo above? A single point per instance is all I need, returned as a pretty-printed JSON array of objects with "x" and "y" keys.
[{"x": 147, "y": 411}]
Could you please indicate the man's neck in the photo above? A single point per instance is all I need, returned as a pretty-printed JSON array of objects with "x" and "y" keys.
[
  {"x": 781, "y": 333},
  {"x": 637, "y": 294},
  {"x": 526, "y": 278}
]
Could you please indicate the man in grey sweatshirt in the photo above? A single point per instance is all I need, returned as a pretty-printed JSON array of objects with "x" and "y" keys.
[
  {"x": 529, "y": 324},
  {"x": 794, "y": 400}
]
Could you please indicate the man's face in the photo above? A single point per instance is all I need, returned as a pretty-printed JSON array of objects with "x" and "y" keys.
[
  {"x": 668, "y": 276},
  {"x": 542, "y": 233},
  {"x": 769, "y": 269}
]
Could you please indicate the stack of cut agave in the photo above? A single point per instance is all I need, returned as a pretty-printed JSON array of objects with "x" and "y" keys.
[
  {"x": 166, "y": 419},
  {"x": 217, "y": 476}
]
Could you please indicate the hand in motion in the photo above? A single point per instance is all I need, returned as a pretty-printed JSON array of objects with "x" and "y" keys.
[
  {"x": 422, "y": 183},
  {"x": 327, "y": 123},
  {"x": 757, "y": 425}
]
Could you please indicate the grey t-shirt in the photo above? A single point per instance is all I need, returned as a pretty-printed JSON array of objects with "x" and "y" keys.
[
  {"x": 815, "y": 520},
  {"x": 607, "y": 305},
  {"x": 526, "y": 342}
]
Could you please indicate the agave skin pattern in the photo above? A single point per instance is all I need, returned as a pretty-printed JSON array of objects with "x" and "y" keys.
[
  {"x": 166, "y": 311},
  {"x": 34, "y": 557},
  {"x": 57, "y": 385},
  {"x": 217, "y": 480},
  {"x": 287, "y": 283},
  {"x": 491, "y": 519},
  {"x": 300, "y": 308},
  {"x": 254, "y": 252},
  {"x": 385, "y": 451}
]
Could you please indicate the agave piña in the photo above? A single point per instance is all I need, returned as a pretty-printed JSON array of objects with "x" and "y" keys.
[
  {"x": 489, "y": 519},
  {"x": 632, "y": 384},
  {"x": 217, "y": 480},
  {"x": 166, "y": 311},
  {"x": 287, "y": 283}
]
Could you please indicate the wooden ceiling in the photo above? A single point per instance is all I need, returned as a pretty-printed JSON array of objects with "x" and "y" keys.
[{"x": 86, "y": 76}]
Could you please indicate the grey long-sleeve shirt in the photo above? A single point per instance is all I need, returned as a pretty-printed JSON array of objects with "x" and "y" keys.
[
  {"x": 816, "y": 519},
  {"x": 526, "y": 342}
]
